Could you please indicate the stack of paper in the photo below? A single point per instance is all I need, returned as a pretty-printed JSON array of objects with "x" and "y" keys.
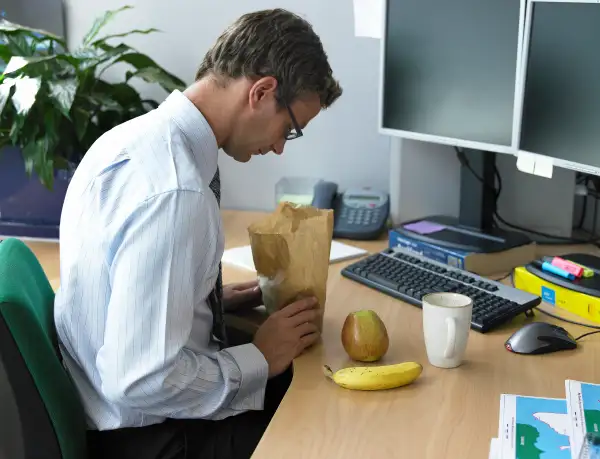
[
  {"x": 548, "y": 428},
  {"x": 242, "y": 256}
]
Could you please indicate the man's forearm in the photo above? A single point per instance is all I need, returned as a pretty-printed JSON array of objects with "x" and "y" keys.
[{"x": 195, "y": 386}]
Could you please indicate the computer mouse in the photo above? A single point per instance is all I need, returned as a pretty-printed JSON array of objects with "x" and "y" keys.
[{"x": 540, "y": 338}]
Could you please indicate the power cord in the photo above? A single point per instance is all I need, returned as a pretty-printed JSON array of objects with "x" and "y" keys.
[
  {"x": 553, "y": 239},
  {"x": 587, "y": 334},
  {"x": 554, "y": 316}
]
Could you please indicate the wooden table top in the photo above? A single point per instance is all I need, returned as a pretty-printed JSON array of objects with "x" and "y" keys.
[{"x": 445, "y": 414}]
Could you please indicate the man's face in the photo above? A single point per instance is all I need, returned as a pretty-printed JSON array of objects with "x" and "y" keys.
[{"x": 264, "y": 126}]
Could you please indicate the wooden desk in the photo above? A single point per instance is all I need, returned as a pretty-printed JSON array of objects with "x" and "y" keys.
[{"x": 445, "y": 414}]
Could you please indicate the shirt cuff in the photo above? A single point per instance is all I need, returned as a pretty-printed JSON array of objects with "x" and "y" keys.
[{"x": 255, "y": 373}]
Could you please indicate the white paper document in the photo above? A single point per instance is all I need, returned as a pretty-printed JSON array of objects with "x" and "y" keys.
[
  {"x": 583, "y": 402},
  {"x": 242, "y": 256},
  {"x": 494, "y": 449},
  {"x": 368, "y": 18},
  {"x": 533, "y": 427}
]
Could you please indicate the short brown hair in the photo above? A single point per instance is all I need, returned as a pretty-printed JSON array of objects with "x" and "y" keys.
[{"x": 274, "y": 43}]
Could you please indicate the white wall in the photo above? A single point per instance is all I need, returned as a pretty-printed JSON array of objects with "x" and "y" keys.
[{"x": 341, "y": 144}]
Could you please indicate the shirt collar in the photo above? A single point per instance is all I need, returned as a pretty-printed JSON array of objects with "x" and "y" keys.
[{"x": 197, "y": 131}]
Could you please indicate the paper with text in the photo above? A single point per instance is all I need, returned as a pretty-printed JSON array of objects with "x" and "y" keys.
[{"x": 368, "y": 18}]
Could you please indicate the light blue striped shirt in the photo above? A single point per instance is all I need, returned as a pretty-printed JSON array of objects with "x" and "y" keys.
[{"x": 140, "y": 244}]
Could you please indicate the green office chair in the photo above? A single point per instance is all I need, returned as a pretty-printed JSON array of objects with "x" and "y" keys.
[{"x": 35, "y": 390}]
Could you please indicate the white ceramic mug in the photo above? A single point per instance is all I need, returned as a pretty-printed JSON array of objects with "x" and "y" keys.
[{"x": 446, "y": 325}]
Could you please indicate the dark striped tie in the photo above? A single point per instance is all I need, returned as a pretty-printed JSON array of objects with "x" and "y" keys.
[{"x": 215, "y": 297}]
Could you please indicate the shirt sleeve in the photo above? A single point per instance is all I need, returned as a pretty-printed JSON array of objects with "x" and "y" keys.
[{"x": 158, "y": 272}]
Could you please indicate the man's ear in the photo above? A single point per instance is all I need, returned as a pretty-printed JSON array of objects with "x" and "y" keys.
[{"x": 263, "y": 90}]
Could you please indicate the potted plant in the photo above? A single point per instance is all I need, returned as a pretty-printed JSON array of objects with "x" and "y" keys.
[{"x": 54, "y": 103}]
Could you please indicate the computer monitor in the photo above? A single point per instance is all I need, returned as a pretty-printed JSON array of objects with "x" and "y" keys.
[
  {"x": 449, "y": 76},
  {"x": 449, "y": 71},
  {"x": 560, "y": 84}
]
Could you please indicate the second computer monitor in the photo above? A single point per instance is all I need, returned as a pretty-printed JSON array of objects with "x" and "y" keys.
[
  {"x": 561, "y": 84},
  {"x": 449, "y": 71}
]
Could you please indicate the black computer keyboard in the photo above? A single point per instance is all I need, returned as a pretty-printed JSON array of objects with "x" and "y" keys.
[{"x": 408, "y": 276}]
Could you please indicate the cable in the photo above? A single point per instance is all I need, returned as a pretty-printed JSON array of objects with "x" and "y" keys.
[
  {"x": 554, "y": 316},
  {"x": 587, "y": 334},
  {"x": 594, "y": 239},
  {"x": 500, "y": 279}
]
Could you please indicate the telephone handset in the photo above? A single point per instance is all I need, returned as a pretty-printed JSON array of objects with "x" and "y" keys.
[{"x": 358, "y": 213}]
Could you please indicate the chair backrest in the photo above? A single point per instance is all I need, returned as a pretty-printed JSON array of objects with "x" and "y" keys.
[{"x": 50, "y": 412}]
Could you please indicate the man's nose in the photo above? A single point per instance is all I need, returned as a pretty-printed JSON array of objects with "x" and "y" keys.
[{"x": 278, "y": 147}]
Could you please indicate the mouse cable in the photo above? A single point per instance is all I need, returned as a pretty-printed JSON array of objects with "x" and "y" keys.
[
  {"x": 550, "y": 239},
  {"x": 587, "y": 334},
  {"x": 549, "y": 314},
  {"x": 554, "y": 316}
]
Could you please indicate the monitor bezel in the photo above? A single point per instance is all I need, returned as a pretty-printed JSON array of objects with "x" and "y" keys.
[
  {"x": 558, "y": 162},
  {"x": 452, "y": 141}
]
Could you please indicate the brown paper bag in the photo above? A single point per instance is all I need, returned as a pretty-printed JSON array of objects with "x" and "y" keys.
[{"x": 291, "y": 254}]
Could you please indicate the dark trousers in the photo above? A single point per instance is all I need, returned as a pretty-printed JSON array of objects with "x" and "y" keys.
[{"x": 231, "y": 438}]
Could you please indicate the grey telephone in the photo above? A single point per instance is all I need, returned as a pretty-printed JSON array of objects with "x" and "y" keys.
[{"x": 358, "y": 213}]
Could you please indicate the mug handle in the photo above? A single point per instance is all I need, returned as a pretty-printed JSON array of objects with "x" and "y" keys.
[{"x": 451, "y": 344}]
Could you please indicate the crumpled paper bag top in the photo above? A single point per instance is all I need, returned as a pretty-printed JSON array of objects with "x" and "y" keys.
[{"x": 291, "y": 250}]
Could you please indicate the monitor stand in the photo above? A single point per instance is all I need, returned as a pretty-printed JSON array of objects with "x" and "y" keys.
[{"x": 474, "y": 230}]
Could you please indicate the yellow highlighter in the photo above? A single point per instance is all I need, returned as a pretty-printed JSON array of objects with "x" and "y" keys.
[{"x": 587, "y": 272}]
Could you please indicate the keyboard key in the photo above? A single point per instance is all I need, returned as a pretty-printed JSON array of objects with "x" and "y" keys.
[{"x": 383, "y": 281}]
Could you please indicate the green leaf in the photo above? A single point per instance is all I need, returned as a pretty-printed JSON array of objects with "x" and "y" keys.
[
  {"x": 100, "y": 23},
  {"x": 8, "y": 27},
  {"x": 5, "y": 53},
  {"x": 141, "y": 61},
  {"x": 61, "y": 163},
  {"x": 125, "y": 34},
  {"x": 92, "y": 58},
  {"x": 26, "y": 90},
  {"x": 5, "y": 88},
  {"x": 81, "y": 120},
  {"x": 63, "y": 92},
  {"x": 103, "y": 101},
  {"x": 19, "y": 63},
  {"x": 17, "y": 133},
  {"x": 52, "y": 119},
  {"x": 36, "y": 156},
  {"x": 156, "y": 75},
  {"x": 18, "y": 45}
]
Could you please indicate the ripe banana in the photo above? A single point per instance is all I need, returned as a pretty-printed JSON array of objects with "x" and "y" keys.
[{"x": 375, "y": 377}]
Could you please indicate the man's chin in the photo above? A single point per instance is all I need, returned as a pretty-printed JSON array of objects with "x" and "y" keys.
[{"x": 243, "y": 158}]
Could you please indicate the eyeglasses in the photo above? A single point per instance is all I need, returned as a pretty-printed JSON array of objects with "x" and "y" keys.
[{"x": 295, "y": 132}]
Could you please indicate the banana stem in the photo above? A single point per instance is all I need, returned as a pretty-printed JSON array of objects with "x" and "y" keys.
[{"x": 327, "y": 371}]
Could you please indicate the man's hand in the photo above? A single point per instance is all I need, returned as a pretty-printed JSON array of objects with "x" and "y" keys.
[
  {"x": 241, "y": 297},
  {"x": 287, "y": 333}
]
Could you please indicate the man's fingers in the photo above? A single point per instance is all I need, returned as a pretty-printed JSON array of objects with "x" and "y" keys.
[
  {"x": 307, "y": 328},
  {"x": 245, "y": 286},
  {"x": 309, "y": 340},
  {"x": 310, "y": 315},
  {"x": 299, "y": 306}
]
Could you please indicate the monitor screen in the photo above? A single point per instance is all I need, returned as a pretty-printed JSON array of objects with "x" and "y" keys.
[
  {"x": 449, "y": 68},
  {"x": 561, "y": 103}
]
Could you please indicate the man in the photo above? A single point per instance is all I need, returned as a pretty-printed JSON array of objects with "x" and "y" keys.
[{"x": 139, "y": 310}]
